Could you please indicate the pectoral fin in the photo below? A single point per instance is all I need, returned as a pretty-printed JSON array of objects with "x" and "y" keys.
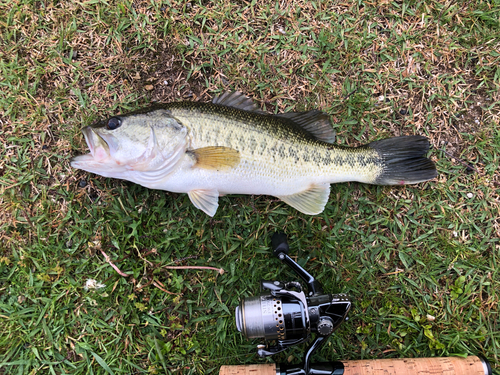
[
  {"x": 216, "y": 157},
  {"x": 205, "y": 200},
  {"x": 311, "y": 201}
]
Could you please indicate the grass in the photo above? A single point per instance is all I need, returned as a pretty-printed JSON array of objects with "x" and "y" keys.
[{"x": 420, "y": 262}]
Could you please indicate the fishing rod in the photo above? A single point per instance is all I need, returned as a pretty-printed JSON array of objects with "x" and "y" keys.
[{"x": 287, "y": 315}]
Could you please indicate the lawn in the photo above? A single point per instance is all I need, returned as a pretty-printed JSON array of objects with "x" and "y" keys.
[{"x": 420, "y": 262}]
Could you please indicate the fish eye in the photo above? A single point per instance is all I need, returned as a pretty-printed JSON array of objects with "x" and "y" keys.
[{"x": 113, "y": 123}]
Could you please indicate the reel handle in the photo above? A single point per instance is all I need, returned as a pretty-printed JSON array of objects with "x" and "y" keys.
[{"x": 280, "y": 250}]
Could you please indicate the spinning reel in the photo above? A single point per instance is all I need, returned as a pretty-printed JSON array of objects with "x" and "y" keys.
[{"x": 288, "y": 315}]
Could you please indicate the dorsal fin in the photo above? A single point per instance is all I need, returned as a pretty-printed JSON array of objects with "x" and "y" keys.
[
  {"x": 315, "y": 122},
  {"x": 236, "y": 99}
]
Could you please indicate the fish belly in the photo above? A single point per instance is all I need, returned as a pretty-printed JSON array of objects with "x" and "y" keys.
[{"x": 250, "y": 179}]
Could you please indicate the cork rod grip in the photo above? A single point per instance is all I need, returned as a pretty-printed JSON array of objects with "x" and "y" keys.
[
  {"x": 416, "y": 366},
  {"x": 407, "y": 366},
  {"x": 264, "y": 369}
]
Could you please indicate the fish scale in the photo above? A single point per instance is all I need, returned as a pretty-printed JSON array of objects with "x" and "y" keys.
[{"x": 231, "y": 147}]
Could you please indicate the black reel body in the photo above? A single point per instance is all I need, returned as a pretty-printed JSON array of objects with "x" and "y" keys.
[{"x": 284, "y": 313}]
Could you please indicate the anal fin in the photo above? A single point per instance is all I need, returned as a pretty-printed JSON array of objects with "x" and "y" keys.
[
  {"x": 205, "y": 200},
  {"x": 311, "y": 201}
]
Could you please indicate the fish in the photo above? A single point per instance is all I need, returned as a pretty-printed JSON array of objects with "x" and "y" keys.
[{"x": 230, "y": 146}]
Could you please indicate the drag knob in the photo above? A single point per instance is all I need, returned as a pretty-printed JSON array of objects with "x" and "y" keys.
[{"x": 325, "y": 327}]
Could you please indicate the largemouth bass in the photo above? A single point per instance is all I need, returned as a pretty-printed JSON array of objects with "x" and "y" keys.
[{"x": 229, "y": 146}]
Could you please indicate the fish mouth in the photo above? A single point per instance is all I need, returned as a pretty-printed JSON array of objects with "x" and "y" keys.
[
  {"x": 98, "y": 147},
  {"x": 99, "y": 159}
]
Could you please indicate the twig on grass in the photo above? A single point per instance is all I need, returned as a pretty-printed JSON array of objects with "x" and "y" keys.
[
  {"x": 143, "y": 286},
  {"x": 156, "y": 284},
  {"x": 350, "y": 94},
  {"x": 460, "y": 161},
  {"x": 113, "y": 265},
  {"x": 220, "y": 270}
]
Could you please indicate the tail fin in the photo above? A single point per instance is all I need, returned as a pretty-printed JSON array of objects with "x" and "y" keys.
[{"x": 404, "y": 160}]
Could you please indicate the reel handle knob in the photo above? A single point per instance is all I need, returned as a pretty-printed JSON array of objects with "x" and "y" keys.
[
  {"x": 279, "y": 243},
  {"x": 325, "y": 327}
]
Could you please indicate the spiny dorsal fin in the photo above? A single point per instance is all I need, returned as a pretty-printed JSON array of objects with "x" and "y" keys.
[
  {"x": 205, "y": 200},
  {"x": 315, "y": 122},
  {"x": 236, "y": 99},
  {"x": 216, "y": 157},
  {"x": 311, "y": 201}
]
